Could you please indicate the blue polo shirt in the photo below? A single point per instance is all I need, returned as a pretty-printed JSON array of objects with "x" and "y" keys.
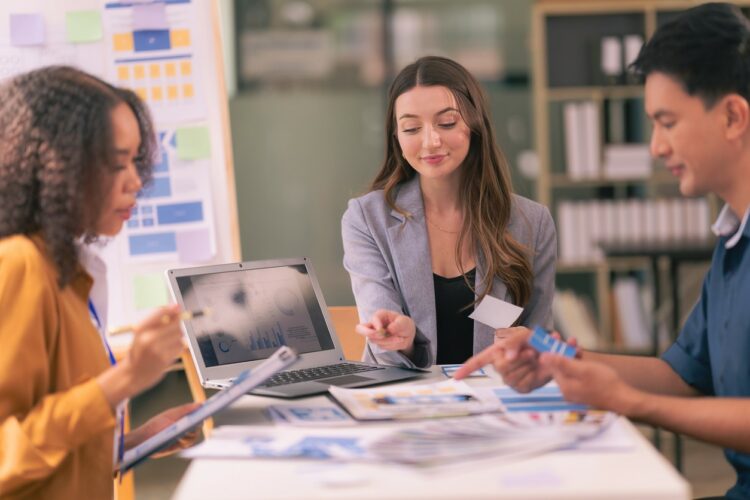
[{"x": 712, "y": 352}]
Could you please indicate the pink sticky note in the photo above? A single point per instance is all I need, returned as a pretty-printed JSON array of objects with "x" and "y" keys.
[
  {"x": 151, "y": 16},
  {"x": 27, "y": 29},
  {"x": 194, "y": 246}
]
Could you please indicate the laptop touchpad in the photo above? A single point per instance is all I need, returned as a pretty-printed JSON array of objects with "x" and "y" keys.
[{"x": 345, "y": 380}]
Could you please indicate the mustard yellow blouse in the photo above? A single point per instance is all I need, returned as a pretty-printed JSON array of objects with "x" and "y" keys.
[{"x": 56, "y": 427}]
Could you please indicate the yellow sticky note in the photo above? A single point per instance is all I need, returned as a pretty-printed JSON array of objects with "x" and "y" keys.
[
  {"x": 186, "y": 68},
  {"x": 156, "y": 93},
  {"x": 179, "y": 38},
  {"x": 193, "y": 143},
  {"x": 170, "y": 69},
  {"x": 154, "y": 70},
  {"x": 139, "y": 71},
  {"x": 83, "y": 26},
  {"x": 141, "y": 92},
  {"x": 123, "y": 42},
  {"x": 172, "y": 92},
  {"x": 187, "y": 90},
  {"x": 123, "y": 73},
  {"x": 149, "y": 291}
]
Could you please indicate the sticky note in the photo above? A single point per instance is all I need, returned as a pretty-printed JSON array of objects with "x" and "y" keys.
[
  {"x": 186, "y": 68},
  {"x": 154, "y": 71},
  {"x": 123, "y": 73},
  {"x": 142, "y": 94},
  {"x": 151, "y": 16},
  {"x": 188, "y": 91},
  {"x": 172, "y": 92},
  {"x": 193, "y": 143},
  {"x": 83, "y": 26},
  {"x": 140, "y": 71},
  {"x": 27, "y": 29},
  {"x": 180, "y": 38},
  {"x": 156, "y": 93},
  {"x": 194, "y": 246},
  {"x": 149, "y": 291},
  {"x": 170, "y": 69},
  {"x": 123, "y": 42}
]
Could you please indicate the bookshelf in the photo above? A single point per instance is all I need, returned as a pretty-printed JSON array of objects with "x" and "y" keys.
[{"x": 591, "y": 136}]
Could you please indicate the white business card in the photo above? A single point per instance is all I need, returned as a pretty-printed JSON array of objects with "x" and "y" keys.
[{"x": 496, "y": 313}]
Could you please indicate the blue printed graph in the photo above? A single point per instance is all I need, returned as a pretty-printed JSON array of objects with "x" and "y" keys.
[{"x": 265, "y": 339}]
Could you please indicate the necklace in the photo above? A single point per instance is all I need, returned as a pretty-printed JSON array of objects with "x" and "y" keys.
[{"x": 438, "y": 227}]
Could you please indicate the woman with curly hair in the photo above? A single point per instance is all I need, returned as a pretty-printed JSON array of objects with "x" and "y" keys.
[
  {"x": 440, "y": 228},
  {"x": 74, "y": 153}
]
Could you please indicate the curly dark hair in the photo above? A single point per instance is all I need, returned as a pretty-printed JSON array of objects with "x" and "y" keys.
[{"x": 57, "y": 156}]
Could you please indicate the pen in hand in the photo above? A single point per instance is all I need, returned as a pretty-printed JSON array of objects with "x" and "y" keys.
[{"x": 183, "y": 316}]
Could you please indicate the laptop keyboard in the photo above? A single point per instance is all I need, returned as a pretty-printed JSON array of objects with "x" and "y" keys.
[{"x": 318, "y": 372}]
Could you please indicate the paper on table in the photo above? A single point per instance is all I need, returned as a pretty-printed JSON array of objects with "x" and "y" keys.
[
  {"x": 27, "y": 29},
  {"x": 440, "y": 399},
  {"x": 496, "y": 313}
]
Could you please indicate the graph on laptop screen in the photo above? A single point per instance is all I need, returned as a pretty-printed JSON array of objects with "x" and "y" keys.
[{"x": 254, "y": 312}]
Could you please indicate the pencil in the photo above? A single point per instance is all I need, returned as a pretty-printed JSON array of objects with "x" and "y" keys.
[{"x": 183, "y": 316}]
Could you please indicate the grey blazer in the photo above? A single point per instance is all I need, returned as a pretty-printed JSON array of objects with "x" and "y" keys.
[{"x": 388, "y": 259}]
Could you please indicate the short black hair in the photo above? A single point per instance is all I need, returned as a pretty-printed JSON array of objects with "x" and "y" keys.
[{"x": 705, "y": 48}]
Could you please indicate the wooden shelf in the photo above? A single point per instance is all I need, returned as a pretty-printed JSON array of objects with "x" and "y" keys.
[{"x": 594, "y": 93}]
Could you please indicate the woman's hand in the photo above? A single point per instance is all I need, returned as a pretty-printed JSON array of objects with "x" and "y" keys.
[
  {"x": 157, "y": 343},
  {"x": 160, "y": 422},
  {"x": 390, "y": 330}
]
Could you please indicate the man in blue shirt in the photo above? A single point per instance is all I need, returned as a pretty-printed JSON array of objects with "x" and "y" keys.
[{"x": 697, "y": 90}]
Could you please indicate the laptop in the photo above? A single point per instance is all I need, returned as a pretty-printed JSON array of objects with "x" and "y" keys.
[{"x": 257, "y": 307}]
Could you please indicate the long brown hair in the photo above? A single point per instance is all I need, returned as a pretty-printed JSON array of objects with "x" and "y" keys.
[
  {"x": 485, "y": 190},
  {"x": 57, "y": 156}
]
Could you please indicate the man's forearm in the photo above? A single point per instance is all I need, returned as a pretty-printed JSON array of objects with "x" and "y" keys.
[
  {"x": 724, "y": 422},
  {"x": 645, "y": 373}
]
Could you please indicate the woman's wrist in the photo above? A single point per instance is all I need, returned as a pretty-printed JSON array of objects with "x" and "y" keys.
[{"x": 118, "y": 383}]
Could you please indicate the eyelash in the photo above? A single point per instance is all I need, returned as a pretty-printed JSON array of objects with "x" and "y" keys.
[{"x": 441, "y": 125}]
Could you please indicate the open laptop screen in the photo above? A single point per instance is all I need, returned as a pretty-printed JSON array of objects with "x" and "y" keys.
[{"x": 254, "y": 312}]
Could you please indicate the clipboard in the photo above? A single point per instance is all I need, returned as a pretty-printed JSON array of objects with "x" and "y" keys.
[{"x": 245, "y": 382}]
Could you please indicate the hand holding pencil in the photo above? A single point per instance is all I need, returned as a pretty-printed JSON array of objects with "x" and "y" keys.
[{"x": 157, "y": 343}]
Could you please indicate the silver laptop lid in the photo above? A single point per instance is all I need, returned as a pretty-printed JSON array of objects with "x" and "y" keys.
[{"x": 256, "y": 306}]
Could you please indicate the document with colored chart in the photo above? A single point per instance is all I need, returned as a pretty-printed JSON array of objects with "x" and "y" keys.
[{"x": 442, "y": 399}]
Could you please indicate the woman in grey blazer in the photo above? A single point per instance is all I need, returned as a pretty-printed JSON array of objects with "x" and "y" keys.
[{"x": 440, "y": 228}]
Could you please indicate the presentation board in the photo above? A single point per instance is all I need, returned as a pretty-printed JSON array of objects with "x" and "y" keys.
[{"x": 169, "y": 53}]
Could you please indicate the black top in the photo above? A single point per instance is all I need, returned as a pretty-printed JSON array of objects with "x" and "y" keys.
[{"x": 455, "y": 330}]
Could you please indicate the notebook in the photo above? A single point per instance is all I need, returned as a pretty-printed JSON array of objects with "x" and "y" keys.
[{"x": 257, "y": 307}]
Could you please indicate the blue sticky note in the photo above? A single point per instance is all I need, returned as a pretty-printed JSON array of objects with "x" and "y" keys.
[
  {"x": 542, "y": 341},
  {"x": 27, "y": 30}
]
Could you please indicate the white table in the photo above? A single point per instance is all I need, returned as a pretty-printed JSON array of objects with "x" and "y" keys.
[{"x": 638, "y": 472}]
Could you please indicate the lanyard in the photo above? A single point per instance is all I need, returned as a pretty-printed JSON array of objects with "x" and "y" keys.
[
  {"x": 95, "y": 317},
  {"x": 112, "y": 361}
]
